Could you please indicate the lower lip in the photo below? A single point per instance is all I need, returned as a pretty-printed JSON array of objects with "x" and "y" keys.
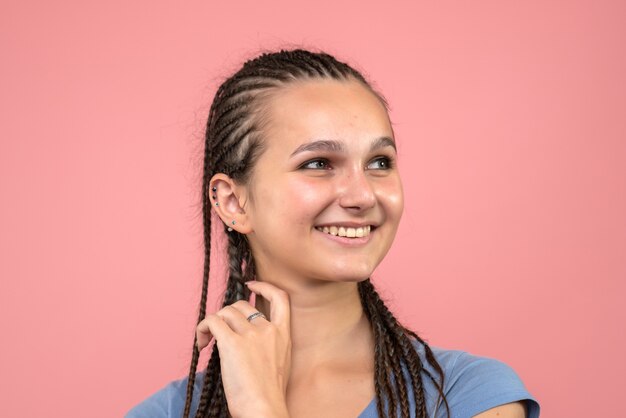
[{"x": 348, "y": 242}]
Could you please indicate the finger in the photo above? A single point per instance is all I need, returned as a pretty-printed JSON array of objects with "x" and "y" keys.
[
  {"x": 211, "y": 326},
  {"x": 279, "y": 303},
  {"x": 247, "y": 309},
  {"x": 235, "y": 317}
]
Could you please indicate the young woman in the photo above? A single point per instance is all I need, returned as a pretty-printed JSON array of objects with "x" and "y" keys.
[{"x": 300, "y": 168}]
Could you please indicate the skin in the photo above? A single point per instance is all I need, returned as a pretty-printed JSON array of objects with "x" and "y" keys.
[{"x": 312, "y": 354}]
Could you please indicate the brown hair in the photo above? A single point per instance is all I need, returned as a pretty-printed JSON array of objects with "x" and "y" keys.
[{"x": 233, "y": 142}]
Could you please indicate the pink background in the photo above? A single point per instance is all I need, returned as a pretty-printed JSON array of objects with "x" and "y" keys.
[{"x": 511, "y": 119}]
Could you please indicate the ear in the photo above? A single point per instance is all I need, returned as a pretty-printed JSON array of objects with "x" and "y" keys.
[{"x": 228, "y": 200}]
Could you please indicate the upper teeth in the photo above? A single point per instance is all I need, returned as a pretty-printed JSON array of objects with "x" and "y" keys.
[{"x": 346, "y": 232}]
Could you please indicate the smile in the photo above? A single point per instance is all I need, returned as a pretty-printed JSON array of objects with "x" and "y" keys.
[{"x": 341, "y": 231}]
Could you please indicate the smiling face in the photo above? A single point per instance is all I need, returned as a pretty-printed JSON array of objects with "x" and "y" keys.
[{"x": 329, "y": 160}]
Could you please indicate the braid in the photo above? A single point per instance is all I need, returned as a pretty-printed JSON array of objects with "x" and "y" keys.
[
  {"x": 380, "y": 316},
  {"x": 238, "y": 251},
  {"x": 205, "y": 285},
  {"x": 233, "y": 142},
  {"x": 210, "y": 385},
  {"x": 382, "y": 365},
  {"x": 213, "y": 399},
  {"x": 397, "y": 371}
]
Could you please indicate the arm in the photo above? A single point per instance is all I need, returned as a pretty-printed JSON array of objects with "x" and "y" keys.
[
  {"x": 483, "y": 387},
  {"x": 509, "y": 410}
]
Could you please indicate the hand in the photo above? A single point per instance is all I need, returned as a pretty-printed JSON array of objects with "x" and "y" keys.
[{"x": 255, "y": 356}]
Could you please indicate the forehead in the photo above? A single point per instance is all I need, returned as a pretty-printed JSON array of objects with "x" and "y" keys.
[{"x": 324, "y": 109}]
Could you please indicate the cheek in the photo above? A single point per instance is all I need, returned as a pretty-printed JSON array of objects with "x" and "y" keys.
[
  {"x": 396, "y": 201},
  {"x": 304, "y": 191},
  {"x": 392, "y": 197},
  {"x": 298, "y": 201}
]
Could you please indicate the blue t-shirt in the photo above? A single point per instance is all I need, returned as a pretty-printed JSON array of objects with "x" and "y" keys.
[{"x": 473, "y": 385}]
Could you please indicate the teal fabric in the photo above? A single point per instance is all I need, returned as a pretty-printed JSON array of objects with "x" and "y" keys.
[{"x": 473, "y": 384}]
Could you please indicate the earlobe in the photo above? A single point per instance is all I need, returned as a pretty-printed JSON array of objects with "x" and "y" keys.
[{"x": 225, "y": 200}]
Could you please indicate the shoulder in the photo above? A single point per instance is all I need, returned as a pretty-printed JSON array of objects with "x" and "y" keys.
[
  {"x": 169, "y": 401},
  {"x": 474, "y": 384}
]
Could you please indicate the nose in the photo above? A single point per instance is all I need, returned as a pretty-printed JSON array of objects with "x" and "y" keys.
[{"x": 357, "y": 192}]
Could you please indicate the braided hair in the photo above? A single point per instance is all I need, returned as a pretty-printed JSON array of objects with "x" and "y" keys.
[{"x": 233, "y": 143}]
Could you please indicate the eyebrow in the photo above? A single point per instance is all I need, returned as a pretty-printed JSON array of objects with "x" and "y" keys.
[{"x": 337, "y": 146}]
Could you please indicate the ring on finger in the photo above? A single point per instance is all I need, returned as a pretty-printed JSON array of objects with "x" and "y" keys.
[{"x": 255, "y": 315}]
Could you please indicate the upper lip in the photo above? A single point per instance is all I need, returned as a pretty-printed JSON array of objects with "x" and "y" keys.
[{"x": 348, "y": 224}]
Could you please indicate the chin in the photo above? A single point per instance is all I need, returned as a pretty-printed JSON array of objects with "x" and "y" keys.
[
  {"x": 350, "y": 275},
  {"x": 355, "y": 279}
]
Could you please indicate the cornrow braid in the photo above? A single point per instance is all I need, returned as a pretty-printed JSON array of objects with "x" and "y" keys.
[
  {"x": 381, "y": 363},
  {"x": 233, "y": 142},
  {"x": 205, "y": 286},
  {"x": 409, "y": 356},
  {"x": 209, "y": 387}
]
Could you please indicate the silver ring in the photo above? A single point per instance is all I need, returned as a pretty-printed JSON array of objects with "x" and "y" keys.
[{"x": 254, "y": 315}]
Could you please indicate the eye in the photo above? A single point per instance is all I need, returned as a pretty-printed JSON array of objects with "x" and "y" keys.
[
  {"x": 317, "y": 164},
  {"x": 384, "y": 163}
]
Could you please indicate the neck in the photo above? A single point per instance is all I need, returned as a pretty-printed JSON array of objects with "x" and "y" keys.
[{"x": 327, "y": 318}]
